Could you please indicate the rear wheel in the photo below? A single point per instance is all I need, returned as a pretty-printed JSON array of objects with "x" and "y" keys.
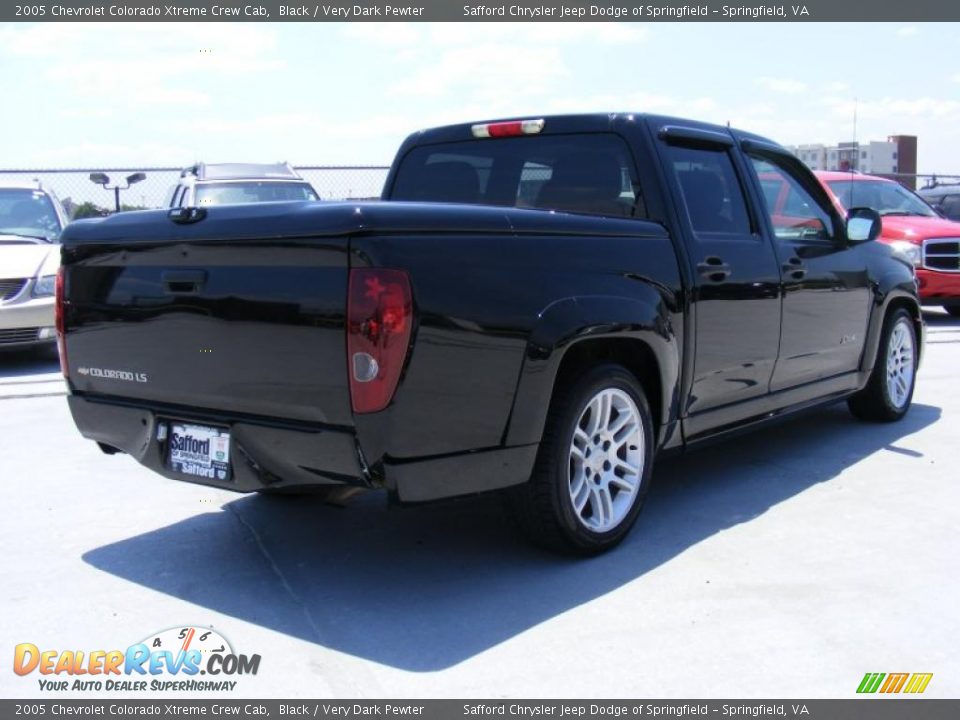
[
  {"x": 889, "y": 392},
  {"x": 593, "y": 468}
]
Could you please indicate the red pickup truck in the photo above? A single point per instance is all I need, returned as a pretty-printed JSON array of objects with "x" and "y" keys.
[{"x": 932, "y": 243}]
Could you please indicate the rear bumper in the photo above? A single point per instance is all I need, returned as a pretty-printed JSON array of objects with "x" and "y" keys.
[
  {"x": 35, "y": 312},
  {"x": 938, "y": 288},
  {"x": 267, "y": 456},
  {"x": 262, "y": 456}
]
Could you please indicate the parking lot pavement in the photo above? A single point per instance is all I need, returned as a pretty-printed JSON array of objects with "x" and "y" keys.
[
  {"x": 30, "y": 374},
  {"x": 786, "y": 563}
]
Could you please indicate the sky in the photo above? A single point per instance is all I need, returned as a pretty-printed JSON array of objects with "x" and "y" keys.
[{"x": 156, "y": 94}]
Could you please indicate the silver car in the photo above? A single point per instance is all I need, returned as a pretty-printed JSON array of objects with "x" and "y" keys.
[
  {"x": 31, "y": 219},
  {"x": 229, "y": 183}
]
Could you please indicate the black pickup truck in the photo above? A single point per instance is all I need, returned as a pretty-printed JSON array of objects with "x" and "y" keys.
[{"x": 536, "y": 306}]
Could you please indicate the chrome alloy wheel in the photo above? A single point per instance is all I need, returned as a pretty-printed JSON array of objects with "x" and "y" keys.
[
  {"x": 606, "y": 460},
  {"x": 900, "y": 363}
]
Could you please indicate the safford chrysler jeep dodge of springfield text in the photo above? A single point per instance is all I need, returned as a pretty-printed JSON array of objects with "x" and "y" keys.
[{"x": 538, "y": 306}]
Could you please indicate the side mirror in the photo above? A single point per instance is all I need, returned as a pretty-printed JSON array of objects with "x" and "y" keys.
[{"x": 863, "y": 224}]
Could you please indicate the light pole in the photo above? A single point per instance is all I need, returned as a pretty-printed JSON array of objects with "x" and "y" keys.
[{"x": 104, "y": 180}]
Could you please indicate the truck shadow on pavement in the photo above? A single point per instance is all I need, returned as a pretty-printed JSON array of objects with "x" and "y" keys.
[
  {"x": 21, "y": 363},
  {"x": 427, "y": 587}
]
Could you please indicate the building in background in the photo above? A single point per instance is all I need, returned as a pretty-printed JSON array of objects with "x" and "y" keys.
[
  {"x": 895, "y": 158},
  {"x": 906, "y": 158}
]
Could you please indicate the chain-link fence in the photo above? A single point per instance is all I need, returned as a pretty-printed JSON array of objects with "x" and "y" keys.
[
  {"x": 916, "y": 181},
  {"x": 361, "y": 182},
  {"x": 80, "y": 194}
]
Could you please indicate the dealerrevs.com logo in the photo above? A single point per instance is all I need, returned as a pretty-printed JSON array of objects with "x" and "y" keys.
[{"x": 177, "y": 659}]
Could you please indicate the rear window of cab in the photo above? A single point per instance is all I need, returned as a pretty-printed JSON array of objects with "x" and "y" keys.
[{"x": 592, "y": 174}]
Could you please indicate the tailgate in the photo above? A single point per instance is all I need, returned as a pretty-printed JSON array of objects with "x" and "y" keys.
[{"x": 241, "y": 313}]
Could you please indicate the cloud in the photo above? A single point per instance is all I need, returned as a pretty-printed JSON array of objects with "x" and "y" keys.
[
  {"x": 495, "y": 68},
  {"x": 432, "y": 36},
  {"x": 456, "y": 34},
  {"x": 763, "y": 117},
  {"x": 303, "y": 138},
  {"x": 908, "y": 31},
  {"x": 486, "y": 72},
  {"x": 37, "y": 40},
  {"x": 390, "y": 35},
  {"x": 896, "y": 108},
  {"x": 144, "y": 63},
  {"x": 317, "y": 95},
  {"x": 122, "y": 41},
  {"x": 85, "y": 152},
  {"x": 137, "y": 81},
  {"x": 784, "y": 86}
]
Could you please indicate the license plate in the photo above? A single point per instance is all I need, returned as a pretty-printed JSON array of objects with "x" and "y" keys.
[{"x": 199, "y": 450}]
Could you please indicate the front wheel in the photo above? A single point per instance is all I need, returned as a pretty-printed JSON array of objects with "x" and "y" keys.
[
  {"x": 889, "y": 392},
  {"x": 593, "y": 468}
]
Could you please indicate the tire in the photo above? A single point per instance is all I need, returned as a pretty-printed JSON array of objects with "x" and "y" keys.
[
  {"x": 953, "y": 310},
  {"x": 889, "y": 392},
  {"x": 582, "y": 464}
]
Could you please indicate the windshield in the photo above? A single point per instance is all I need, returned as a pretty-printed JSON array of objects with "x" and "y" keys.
[
  {"x": 28, "y": 213},
  {"x": 253, "y": 191},
  {"x": 887, "y": 198}
]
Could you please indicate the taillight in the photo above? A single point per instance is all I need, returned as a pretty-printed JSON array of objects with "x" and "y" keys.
[
  {"x": 379, "y": 320},
  {"x": 61, "y": 343},
  {"x": 508, "y": 128}
]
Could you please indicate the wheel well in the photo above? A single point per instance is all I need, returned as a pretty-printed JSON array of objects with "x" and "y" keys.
[
  {"x": 635, "y": 355},
  {"x": 914, "y": 312}
]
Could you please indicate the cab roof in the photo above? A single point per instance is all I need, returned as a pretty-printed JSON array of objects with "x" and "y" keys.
[{"x": 576, "y": 123}]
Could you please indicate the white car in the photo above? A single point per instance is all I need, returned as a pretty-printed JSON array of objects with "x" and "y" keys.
[
  {"x": 31, "y": 219},
  {"x": 228, "y": 183}
]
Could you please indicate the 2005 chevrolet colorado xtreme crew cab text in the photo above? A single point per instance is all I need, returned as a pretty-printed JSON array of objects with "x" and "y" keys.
[{"x": 537, "y": 306}]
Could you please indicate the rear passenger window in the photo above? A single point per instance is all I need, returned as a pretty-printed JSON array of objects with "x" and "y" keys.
[
  {"x": 711, "y": 191},
  {"x": 586, "y": 173}
]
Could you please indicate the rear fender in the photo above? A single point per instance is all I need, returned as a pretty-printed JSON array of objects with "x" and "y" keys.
[
  {"x": 573, "y": 320},
  {"x": 890, "y": 290}
]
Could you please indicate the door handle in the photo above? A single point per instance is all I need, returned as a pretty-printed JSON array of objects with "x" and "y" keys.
[
  {"x": 795, "y": 268},
  {"x": 714, "y": 268},
  {"x": 183, "y": 282}
]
